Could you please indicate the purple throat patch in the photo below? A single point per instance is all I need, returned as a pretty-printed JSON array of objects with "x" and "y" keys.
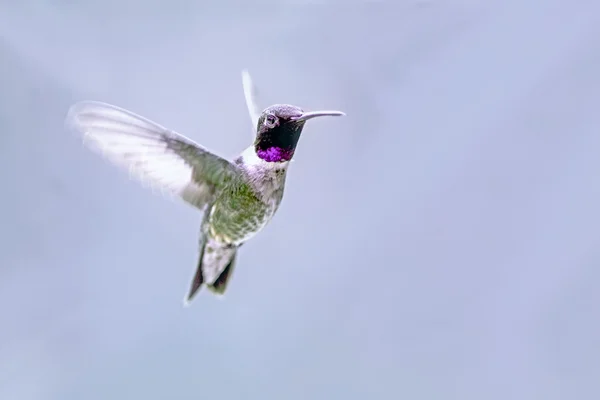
[{"x": 275, "y": 154}]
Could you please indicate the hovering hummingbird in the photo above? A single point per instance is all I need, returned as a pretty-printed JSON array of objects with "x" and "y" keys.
[{"x": 237, "y": 198}]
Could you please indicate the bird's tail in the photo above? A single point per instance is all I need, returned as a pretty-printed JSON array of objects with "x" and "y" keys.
[{"x": 215, "y": 266}]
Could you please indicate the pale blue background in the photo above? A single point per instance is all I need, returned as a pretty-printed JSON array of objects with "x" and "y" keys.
[{"x": 440, "y": 242}]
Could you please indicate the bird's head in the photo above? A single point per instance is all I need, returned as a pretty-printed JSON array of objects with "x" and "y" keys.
[{"x": 279, "y": 128}]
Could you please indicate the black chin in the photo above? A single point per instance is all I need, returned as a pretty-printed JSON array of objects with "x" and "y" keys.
[{"x": 285, "y": 137}]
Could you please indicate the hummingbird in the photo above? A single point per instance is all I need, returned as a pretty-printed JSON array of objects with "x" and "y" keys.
[{"x": 237, "y": 197}]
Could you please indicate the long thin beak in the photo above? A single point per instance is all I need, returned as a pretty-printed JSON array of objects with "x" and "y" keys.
[{"x": 312, "y": 114}]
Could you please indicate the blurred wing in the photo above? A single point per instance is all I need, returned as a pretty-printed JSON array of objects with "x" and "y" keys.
[
  {"x": 160, "y": 158},
  {"x": 251, "y": 95}
]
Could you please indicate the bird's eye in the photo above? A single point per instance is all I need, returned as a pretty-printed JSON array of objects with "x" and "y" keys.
[{"x": 270, "y": 120}]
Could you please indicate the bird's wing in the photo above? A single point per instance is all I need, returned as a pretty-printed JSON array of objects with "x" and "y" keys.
[
  {"x": 158, "y": 157},
  {"x": 251, "y": 95}
]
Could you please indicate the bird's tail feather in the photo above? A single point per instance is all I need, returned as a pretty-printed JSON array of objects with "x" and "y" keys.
[
  {"x": 198, "y": 276},
  {"x": 215, "y": 266},
  {"x": 220, "y": 284}
]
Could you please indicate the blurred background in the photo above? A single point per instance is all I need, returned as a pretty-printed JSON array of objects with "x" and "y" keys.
[{"x": 440, "y": 242}]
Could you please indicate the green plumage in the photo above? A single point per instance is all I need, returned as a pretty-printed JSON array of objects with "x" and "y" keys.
[{"x": 237, "y": 213}]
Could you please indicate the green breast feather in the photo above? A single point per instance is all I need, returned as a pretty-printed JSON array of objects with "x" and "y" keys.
[{"x": 236, "y": 213}]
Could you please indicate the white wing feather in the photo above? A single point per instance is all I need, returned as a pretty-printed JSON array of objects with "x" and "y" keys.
[
  {"x": 251, "y": 95},
  {"x": 159, "y": 158}
]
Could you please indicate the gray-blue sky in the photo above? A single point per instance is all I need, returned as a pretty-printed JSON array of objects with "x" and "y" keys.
[{"x": 440, "y": 242}]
